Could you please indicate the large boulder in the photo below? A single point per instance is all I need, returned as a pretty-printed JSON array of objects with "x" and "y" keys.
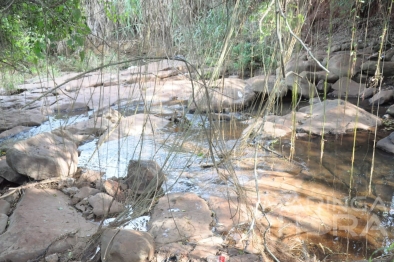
[
  {"x": 180, "y": 217},
  {"x": 42, "y": 217},
  {"x": 386, "y": 68},
  {"x": 144, "y": 176},
  {"x": 44, "y": 156},
  {"x": 335, "y": 117},
  {"x": 382, "y": 97},
  {"x": 119, "y": 245},
  {"x": 229, "y": 94}
]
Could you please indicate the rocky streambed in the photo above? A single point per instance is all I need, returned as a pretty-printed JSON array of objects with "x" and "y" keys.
[{"x": 288, "y": 185}]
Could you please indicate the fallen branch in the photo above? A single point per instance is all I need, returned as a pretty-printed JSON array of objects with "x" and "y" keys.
[{"x": 19, "y": 188}]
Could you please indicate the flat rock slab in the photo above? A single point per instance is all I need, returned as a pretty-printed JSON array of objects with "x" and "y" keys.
[
  {"x": 12, "y": 118},
  {"x": 13, "y": 132},
  {"x": 40, "y": 218},
  {"x": 178, "y": 217},
  {"x": 335, "y": 117},
  {"x": 44, "y": 156}
]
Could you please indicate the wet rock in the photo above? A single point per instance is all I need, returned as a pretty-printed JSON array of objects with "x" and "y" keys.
[
  {"x": 119, "y": 245},
  {"x": 44, "y": 156},
  {"x": 14, "y": 131},
  {"x": 9, "y": 174},
  {"x": 101, "y": 202},
  {"x": 346, "y": 87},
  {"x": 230, "y": 94},
  {"x": 144, "y": 176},
  {"x": 386, "y": 68},
  {"x": 82, "y": 193},
  {"x": 49, "y": 217},
  {"x": 390, "y": 110},
  {"x": 12, "y": 118},
  {"x": 342, "y": 117},
  {"x": 341, "y": 65},
  {"x": 134, "y": 125},
  {"x": 4, "y": 207},
  {"x": 3, "y": 222},
  {"x": 300, "y": 84},
  {"x": 387, "y": 143},
  {"x": 382, "y": 97},
  {"x": 179, "y": 217},
  {"x": 265, "y": 84}
]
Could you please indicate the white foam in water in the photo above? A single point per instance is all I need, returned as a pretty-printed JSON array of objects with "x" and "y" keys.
[{"x": 140, "y": 223}]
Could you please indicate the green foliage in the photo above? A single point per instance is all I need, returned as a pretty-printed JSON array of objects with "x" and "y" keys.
[{"x": 30, "y": 31}]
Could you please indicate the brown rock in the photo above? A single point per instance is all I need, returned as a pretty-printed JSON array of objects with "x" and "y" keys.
[
  {"x": 178, "y": 217},
  {"x": 113, "y": 189},
  {"x": 144, "y": 176},
  {"x": 101, "y": 202},
  {"x": 44, "y": 156},
  {"x": 120, "y": 245},
  {"x": 90, "y": 176},
  {"x": 49, "y": 217}
]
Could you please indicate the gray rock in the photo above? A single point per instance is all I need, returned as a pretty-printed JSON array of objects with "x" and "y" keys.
[
  {"x": 345, "y": 87},
  {"x": 40, "y": 218},
  {"x": 14, "y": 131},
  {"x": 44, "y": 156},
  {"x": 316, "y": 77},
  {"x": 386, "y": 68},
  {"x": 4, "y": 207},
  {"x": 101, "y": 202},
  {"x": 144, "y": 176},
  {"x": 119, "y": 245},
  {"x": 265, "y": 85},
  {"x": 323, "y": 86},
  {"x": 3, "y": 222},
  {"x": 8, "y": 174},
  {"x": 179, "y": 217},
  {"x": 341, "y": 65},
  {"x": 390, "y": 110},
  {"x": 382, "y": 97},
  {"x": 386, "y": 144}
]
